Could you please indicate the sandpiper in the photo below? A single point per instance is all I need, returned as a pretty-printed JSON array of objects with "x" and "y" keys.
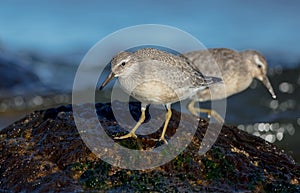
[
  {"x": 238, "y": 69},
  {"x": 153, "y": 76}
]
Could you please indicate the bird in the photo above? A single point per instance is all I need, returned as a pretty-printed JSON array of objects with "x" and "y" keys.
[
  {"x": 237, "y": 69},
  {"x": 154, "y": 76}
]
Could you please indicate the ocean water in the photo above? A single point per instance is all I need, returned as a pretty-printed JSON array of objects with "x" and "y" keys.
[{"x": 51, "y": 37}]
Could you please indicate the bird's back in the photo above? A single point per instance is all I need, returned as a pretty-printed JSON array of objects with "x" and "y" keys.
[
  {"x": 224, "y": 63},
  {"x": 160, "y": 77},
  {"x": 174, "y": 69}
]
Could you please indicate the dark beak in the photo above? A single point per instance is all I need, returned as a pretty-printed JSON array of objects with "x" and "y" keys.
[
  {"x": 268, "y": 85},
  {"x": 107, "y": 80}
]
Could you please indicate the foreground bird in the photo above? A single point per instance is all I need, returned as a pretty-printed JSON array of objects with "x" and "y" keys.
[
  {"x": 156, "y": 77},
  {"x": 238, "y": 69}
]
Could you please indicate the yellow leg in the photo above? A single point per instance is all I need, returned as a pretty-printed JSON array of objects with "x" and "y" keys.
[
  {"x": 210, "y": 112},
  {"x": 168, "y": 117},
  {"x": 141, "y": 120},
  {"x": 192, "y": 108}
]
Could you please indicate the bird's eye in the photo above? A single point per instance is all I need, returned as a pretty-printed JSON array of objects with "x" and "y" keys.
[{"x": 123, "y": 63}]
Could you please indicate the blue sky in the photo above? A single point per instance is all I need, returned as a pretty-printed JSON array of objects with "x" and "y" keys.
[{"x": 64, "y": 26}]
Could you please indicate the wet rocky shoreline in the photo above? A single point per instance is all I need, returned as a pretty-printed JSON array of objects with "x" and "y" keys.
[{"x": 44, "y": 152}]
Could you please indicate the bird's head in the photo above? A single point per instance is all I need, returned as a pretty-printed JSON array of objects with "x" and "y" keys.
[
  {"x": 257, "y": 65},
  {"x": 120, "y": 66}
]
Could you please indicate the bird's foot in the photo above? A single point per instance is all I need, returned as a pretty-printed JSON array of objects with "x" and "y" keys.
[
  {"x": 163, "y": 140},
  {"x": 127, "y": 136}
]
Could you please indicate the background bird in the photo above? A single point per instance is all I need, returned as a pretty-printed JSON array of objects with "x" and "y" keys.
[{"x": 237, "y": 69}]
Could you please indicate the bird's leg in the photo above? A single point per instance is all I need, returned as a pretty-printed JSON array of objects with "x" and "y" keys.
[
  {"x": 132, "y": 132},
  {"x": 194, "y": 110},
  {"x": 168, "y": 117}
]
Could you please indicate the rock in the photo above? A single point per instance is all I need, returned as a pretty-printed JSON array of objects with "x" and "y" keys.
[
  {"x": 44, "y": 152},
  {"x": 25, "y": 73},
  {"x": 21, "y": 89},
  {"x": 15, "y": 74}
]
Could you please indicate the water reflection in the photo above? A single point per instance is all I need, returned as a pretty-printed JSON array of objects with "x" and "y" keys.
[
  {"x": 271, "y": 132},
  {"x": 281, "y": 125},
  {"x": 34, "y": 102},
  {"x": 286, "y": 87}
]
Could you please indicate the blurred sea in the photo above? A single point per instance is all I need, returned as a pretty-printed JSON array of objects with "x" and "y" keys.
[{"x": 43, "y": 42}]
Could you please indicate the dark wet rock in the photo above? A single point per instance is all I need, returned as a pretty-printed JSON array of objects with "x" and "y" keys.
[{"x": 44, "y": 152}]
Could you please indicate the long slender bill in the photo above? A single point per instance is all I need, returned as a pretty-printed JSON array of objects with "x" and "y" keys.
[
  {"x": 107, "y": 80},
  {"x": 267, "y": 84}
]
